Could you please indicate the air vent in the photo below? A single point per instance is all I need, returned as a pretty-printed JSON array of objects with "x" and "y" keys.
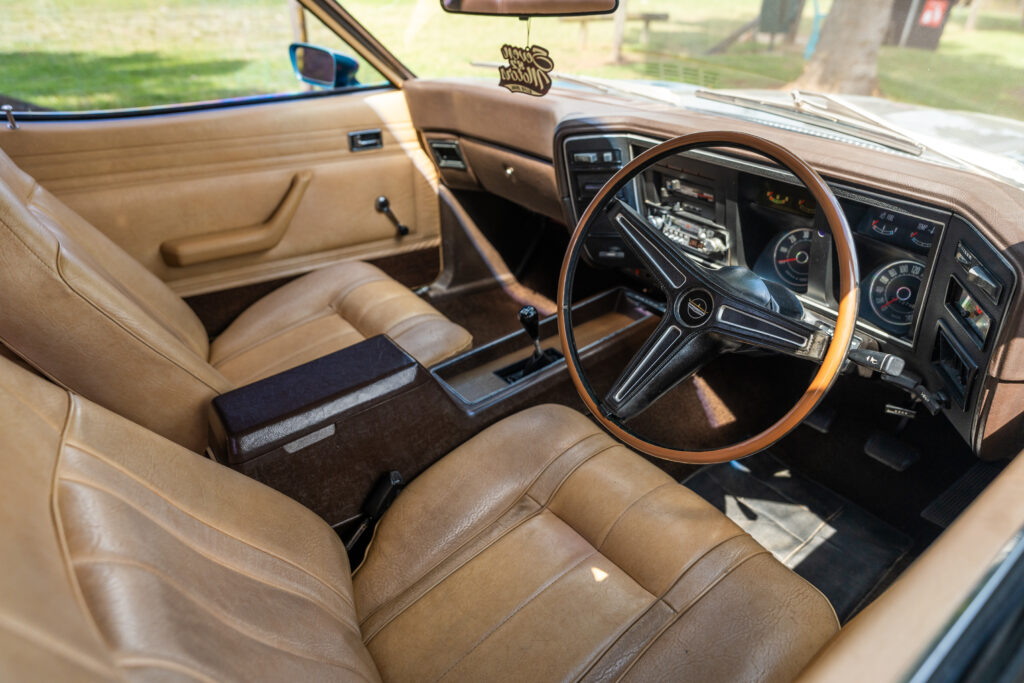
[
  {"x": 447, "y": 154},
  {"x": 954, "y": 365}
]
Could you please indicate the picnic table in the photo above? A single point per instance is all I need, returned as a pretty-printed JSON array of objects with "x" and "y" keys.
[{"x": 646, "y": 17}]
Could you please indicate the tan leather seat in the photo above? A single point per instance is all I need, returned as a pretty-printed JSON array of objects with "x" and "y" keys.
[
  {"x": 89, "y": 316},
  {"x": 562, "y": 556}
]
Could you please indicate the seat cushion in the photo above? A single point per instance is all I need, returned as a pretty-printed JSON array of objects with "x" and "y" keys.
[
  {"x": 129, "y": 557},
  {"x": 328, "y": 310},
  {"x": 544, "y": 550}
]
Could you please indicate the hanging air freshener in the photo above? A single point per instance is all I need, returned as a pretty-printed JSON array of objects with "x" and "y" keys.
[{"x": 528, "y": 70}]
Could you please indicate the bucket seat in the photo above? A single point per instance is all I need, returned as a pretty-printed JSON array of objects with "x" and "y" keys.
[
  {"x": 87, "y": 315},
  {"x": 560, "y": 556}
]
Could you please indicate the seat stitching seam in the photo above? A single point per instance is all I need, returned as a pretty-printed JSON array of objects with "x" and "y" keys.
[
  {"x": 312, "y": 317},
  {"x": 510, "y": 505},
  {"x": 495, "y": 519},
  {"x": 194, "y": 548},
  {"x": 344, "y": 293},
  {"x": 367, "y": 638},
  {"x": 357, "y": 323},
  {"x": 703, "y": 594},
  {"x": 660, "y": 598},
  {"x": 163, "y": 663},
  {"x": 629, "y": 507},
  {"x": 20, "y": 629},
  {"x": 526, "y": 494},
  {"x": 57, "y": 273},
  {"x": 184, "y": 541},
  {"x": 58, "y": 524},
  {"x": 536, "y": 594},
  {"x": 217, "y": 614},
  {"x": 146, "y": 485},
  {"x": 116, "y": 323},
  {"x": 575, "y": 468},
  {"x": 420, "y": 318}
]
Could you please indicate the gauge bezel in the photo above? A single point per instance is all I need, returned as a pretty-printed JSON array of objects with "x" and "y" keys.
[
  {"x": 802, "y": 287},
  {"x": 871, "y": 286}
]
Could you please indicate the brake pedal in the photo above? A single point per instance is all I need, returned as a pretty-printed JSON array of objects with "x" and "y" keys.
[{"x": 890, "y": 451}]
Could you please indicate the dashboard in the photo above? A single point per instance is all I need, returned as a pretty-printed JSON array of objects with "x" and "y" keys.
[{"x": 933, "y": 290}]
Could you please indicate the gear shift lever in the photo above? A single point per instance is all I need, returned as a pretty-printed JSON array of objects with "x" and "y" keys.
[{"x": 530, "y": 320}]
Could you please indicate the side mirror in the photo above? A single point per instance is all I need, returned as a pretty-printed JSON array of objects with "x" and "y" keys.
[{"x": 319, "y": 66}]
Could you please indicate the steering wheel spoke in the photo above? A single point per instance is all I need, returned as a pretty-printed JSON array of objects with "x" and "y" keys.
[
  {"x": 670, "y": 355},
  {"x": 754, "y": 326},
  {"x": 666, "y": 265}
]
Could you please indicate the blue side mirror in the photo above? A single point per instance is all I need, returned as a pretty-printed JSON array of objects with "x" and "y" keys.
[{"x": 326, "y": 68}]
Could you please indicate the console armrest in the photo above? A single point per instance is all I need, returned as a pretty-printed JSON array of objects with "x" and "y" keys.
[{"x": 299, "y": 407}]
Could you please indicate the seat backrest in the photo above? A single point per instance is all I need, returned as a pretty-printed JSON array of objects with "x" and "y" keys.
[
  {"x": 127, "y": 556},
  {"x": 86, "y": 314}
]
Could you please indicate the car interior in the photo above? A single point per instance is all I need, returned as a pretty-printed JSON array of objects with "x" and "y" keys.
[{"x": 434, "y": 380}]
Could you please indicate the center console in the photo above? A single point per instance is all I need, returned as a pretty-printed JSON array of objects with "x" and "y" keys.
[{"x": 325, "y": 432}]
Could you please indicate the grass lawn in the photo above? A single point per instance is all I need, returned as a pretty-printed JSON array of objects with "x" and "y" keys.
[{"x": 93, "y": 54}]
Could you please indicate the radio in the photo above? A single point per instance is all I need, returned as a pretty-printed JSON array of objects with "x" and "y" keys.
[{"x": 711, "y": 242}]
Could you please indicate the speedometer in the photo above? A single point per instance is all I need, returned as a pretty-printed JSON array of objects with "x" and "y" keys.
[
  {"x": 792, "y": 257},
  {"x": 893, "y": 290}
]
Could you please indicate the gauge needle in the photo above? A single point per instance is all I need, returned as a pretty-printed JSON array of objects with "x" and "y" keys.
[
  {"x": 788, "y": 260},
  {"x": 890, "y": 301},
  {"x": 913, "y": 234}
]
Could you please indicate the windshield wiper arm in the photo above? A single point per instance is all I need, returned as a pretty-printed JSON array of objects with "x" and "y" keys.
[{"x": 837, "y": 115}]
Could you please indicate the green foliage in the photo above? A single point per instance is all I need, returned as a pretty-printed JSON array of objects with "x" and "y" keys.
[{"x": 94, "y": 54}]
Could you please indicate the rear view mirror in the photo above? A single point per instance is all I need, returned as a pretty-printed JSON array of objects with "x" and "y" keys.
[
  {"x": 319, "y": 66},
  {"x": 530, "y": 8}
]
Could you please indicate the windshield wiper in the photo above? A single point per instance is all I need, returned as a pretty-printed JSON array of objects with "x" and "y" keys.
[{"x": 836, "y": 115}]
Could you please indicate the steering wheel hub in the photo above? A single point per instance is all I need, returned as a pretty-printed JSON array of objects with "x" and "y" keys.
[{"x": 695, "y": 307}]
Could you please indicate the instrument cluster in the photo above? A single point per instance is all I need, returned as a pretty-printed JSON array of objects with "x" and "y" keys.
[{"x": 892, "y": 247}]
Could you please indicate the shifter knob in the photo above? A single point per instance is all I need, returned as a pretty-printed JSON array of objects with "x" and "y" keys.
[{"x": 530, "y": 320}]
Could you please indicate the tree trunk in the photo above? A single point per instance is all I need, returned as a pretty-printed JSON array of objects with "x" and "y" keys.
[
  {"x": 619, "y": 34},
  {"x": 846, "y": 59},
  {"x": 972, "y": 15}
]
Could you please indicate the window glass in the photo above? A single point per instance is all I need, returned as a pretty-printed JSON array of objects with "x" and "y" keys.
[{"x": 78, "y": 55}]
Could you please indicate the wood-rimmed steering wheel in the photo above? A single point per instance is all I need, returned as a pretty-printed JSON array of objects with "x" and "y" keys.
[{"x": 709, "y": 311}]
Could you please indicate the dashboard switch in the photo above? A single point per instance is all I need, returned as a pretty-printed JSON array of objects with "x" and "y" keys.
[{"x": 977, "y": 274}]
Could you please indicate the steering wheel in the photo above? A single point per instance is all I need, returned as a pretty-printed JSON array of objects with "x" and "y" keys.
[{"x": 709, "y": 311}]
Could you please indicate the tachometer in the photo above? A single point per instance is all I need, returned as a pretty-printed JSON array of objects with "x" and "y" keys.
[
  {"x": 792, "y": 257},
  {"x": 893, "y": 291}
]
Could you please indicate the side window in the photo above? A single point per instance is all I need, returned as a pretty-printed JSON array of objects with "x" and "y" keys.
[{"x": 122, "y": 54}]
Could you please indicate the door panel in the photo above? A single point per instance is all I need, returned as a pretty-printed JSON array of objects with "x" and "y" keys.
[{"x": 147, "y": 180}]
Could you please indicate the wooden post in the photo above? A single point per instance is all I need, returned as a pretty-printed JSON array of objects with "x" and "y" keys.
[
  {"x": 619, "y": 34},
  {"x": 298, "y": 17}
]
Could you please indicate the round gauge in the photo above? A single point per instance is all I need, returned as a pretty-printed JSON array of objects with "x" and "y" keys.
[
  {"x": 893, "y": 291},
  {"x": 792, "y": 257},
  {"x": 922, "y": 235},
  {"x": 884, "y": 224}
]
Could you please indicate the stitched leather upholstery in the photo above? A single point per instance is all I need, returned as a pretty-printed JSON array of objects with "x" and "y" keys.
[
  {"x": 328, "y": 310},
  {"x": 561, "y": 556},
  {"x": 80, "y": 309},
  {"x": 544, "y": 550}
]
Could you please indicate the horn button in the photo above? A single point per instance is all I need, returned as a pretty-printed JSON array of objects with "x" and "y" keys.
[{"x": 695, "y": 307}]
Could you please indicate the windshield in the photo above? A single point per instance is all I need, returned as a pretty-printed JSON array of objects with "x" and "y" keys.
[{"x": 898, "y": 56}]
